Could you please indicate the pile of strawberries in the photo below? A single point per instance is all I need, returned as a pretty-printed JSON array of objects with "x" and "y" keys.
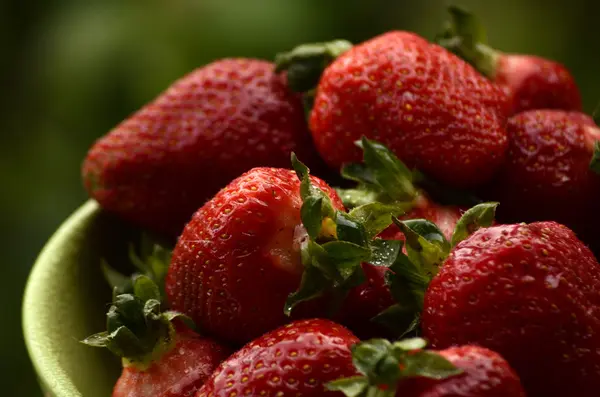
[{"x": 403, "y": 279}]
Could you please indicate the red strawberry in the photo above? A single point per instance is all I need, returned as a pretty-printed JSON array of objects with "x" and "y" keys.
[
  {"x": 270, "y": 240},
  {"x": 547, "y": 173},
  {"x": 532, "y": 82},
  {"x": 532, "y": 294},
  {"x": 386, "y": 185},
  {"x": 158, "y": 166},
  {"x": 296, "y": 359},
  {"x": 429, "y": 107},
  {"x": 158, "y": 360},
  {"x": 404, "y": 369}
]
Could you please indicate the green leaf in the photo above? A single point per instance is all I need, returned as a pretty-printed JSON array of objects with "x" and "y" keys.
[
  {"x": 361, "y": 195},
  {"x": 306, "y": 62},
  {"x": 312, "y": 285},
  {"x": 346, "y": 257},
  {"x": 367, "y": 355},
  {"x": 351, "y": 387},
  {"x": 126, "y": 310},
  {"x": 384, "y": 252},
  {"x": 411, "y": 344},
  {"x": 467, "y": 26},
  {"x": 399, "y": 319},
  {"x": 389, "y": 172},
  {"x": 595, "y": 161},
  {"x": 313, "y": 199},
  {"x": 466, "y": 36},
  {"x": 358, "y": 173},
  {"x": 101, "y": 339},
  {"x": 124, "y": 343},
  {"x": 376, "y": 216},
  {"x": 145, "y": 289},
  {"x": 172, "y": 315},
  {"x": 311, "y": 215},
  {"x": 430, "y": 365},
  {"x": 426, "y": 245},
  {"x": 481, "y": 215},
  {"x": 349, "y": 228}
]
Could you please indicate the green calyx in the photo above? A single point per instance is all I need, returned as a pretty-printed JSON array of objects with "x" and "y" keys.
[
  {"x": 305, "y": 63},
  {"x": 152, "y": 261},
  {"x": 465, "y": 36},
  {"x": 382, "y": 178},
  {"x": 426, "y": 250},
  {"x": 384, "y": 365},
  {"x": 337, "y": 243},
  {"x": 136, "y": 329}
]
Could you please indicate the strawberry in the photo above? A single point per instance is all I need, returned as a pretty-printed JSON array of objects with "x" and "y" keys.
[
  {"x": 272, "y": 239},
  {"x": 296, "y": 359},
  {"x": 529, "y": 292},
  {"x": 547, "y": 173},
  {"x": 532, "y": 82},
  {"x": 158, "y": 166},
  {"x": 385, "y": 184},
  {"x": 404, "y": 368},
  {"x": 432, "y": 109},
  {"x": 159, "y": 358}
]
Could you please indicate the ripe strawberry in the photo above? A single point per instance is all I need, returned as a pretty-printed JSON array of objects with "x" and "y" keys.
[
  {"x": 296, "y": 359},
  {"x": 384, "y": 184},
  {"x": 159, "y": 359},
  {"x": 268, "y": 241},
  {"x": 547, "y": 173},
  {"x": 405, "y": 369},
  {"x": 429, "y": 107},
  {"x": 158, "y": 166},
  {"x": 532, "y": 82},
  {"x": 529, "y": 292}
]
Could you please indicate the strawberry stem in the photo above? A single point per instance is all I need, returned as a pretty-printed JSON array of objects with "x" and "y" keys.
[
  {"x": 426, "y": 250},
  {"x": 465, "y": 36},
  {"x": 136, "y": 329},
  {"x": 384, "y": 365},
  {"x": 305, "y": 63}
]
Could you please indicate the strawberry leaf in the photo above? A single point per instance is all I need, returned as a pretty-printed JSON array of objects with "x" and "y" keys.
[
  {"x": 465, "y": 36},
  {"x": 352, "y": 387},
  {"x": 305, "y": 63},
  {"x": 384, "y": 252},
  {"x": 481, "y": 215},
  {"x": 152, "y": 261},
  {"x": 389, "y": 172},
  {"x": 312, "y": 285},
  {"x": 399, "y": 319},
  {"x": 428, "y": 364},
  {"x": 381, "y": 177},
  {"x": 145, "y": 289},
  {"x": 384, "y": 365},
  {"x": 312, "y": 215},
  {"x": 349, "y": 228},
  {"x": 360, "y": 195},
  {"x": 595, "y": 161},
  {"x": 426, "y": 245},
  {"x": 316, "y": 205},
  {"x": 376, "y": 217},
  {"x": 136, "y": 329}
]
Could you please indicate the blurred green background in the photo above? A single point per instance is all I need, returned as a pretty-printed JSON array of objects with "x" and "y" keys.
[{"x": 71, "y": 70}]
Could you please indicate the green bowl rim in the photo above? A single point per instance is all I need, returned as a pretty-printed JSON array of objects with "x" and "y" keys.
[{"x": 50, "y": 373}]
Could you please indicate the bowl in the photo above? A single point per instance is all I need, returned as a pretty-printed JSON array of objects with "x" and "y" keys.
[{"x": 66, "y": 299}]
